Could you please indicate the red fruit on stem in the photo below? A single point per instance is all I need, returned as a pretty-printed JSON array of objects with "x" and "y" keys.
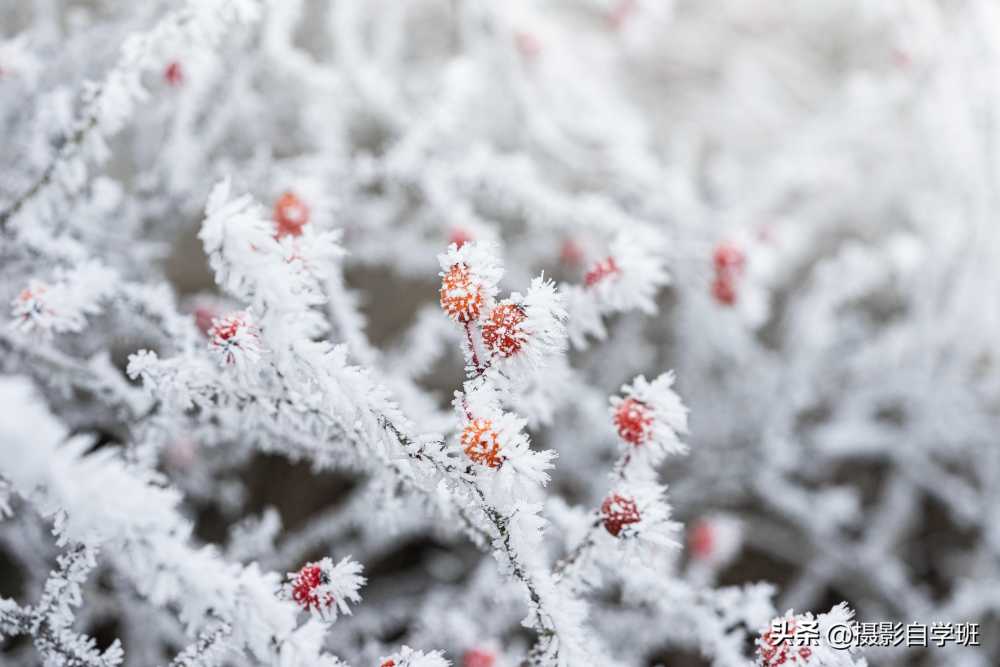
[
  {"x": 478, "y": 657},
  {"x": 459, "y": 237},
  {"x": 775, "y": 652},
  {"x": 701, "y": 540},
  {"x": 728, "y": 257},
  {"x": 291, "y": 214},
  {"x": 618, "y": 512},
  {"x": 600, "y": 271},
  {"x": 310, "y": 577},
  {"x": 460, "y": 299},
  {"x": 633, "y": 420},
  {"x": 502, "y": 331}
]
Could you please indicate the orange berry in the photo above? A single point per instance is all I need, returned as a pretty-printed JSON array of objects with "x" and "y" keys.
[
  {"x": 481, "y": 443},
  {"x": 291, "y": 214},
  {"x": 460, "y": 298}
]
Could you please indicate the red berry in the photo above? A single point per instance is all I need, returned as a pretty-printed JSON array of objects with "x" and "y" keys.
[
  {"x": 388, "y": 663},
  {"x": 728, "y": 257},
  {"x": 701, "y": 540},
  {"x": 772, "y": 651},
  {"x": 633, "y": 420},
  {"x": 291, "y": 214},
  {"x": 174, "y": 74},
  {"x": 571, "y": 253},
  {"x": 478, "y": 657},
  {"x": 304, "y": 587},
  {"x": 225, "y": 329},
  {"x": 459, "y": 237},
  {"x": 502, "y": 331},
  {"x": 600, "y": 271},
  {"x": 618, "y": 512}
]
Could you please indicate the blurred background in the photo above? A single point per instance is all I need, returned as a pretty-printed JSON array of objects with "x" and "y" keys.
[{"x": 822, "y": 178}]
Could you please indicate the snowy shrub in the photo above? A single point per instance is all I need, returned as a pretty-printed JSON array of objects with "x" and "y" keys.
[{"x": 452, "y": 332}]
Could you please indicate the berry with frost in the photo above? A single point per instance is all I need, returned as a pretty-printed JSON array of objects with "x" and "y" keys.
[
  {"x": 304, "y": 588},
  {"x": 525, "y": 331},
  {"x": 324, "y": 589},
  {"x": 637, "y": 515},
  {"x": 481, "y": 443},
  {"x": 235, "y": 339},
  {"x": 729, "y": 262},
  {"x": 290, "y": 215},
  {"x": 461, "y": 298},
  {"x": 782, "y": 642},
  {"x": 630, "y": 275},
  {"x": 495, "y": 441},
  {"x": 650, "y": 417},
  {"x": 618, "y": 511},
  {"x": 601, "y": 271},
  {"x": 503, "y": 333},
  {"x": 633, "y": 420},
  {"x": 773, "y": 651},
  {"x": 469, "y": 277},
  {"x": 728, "y": 257},
  {"x": 459, "y": 237}
]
